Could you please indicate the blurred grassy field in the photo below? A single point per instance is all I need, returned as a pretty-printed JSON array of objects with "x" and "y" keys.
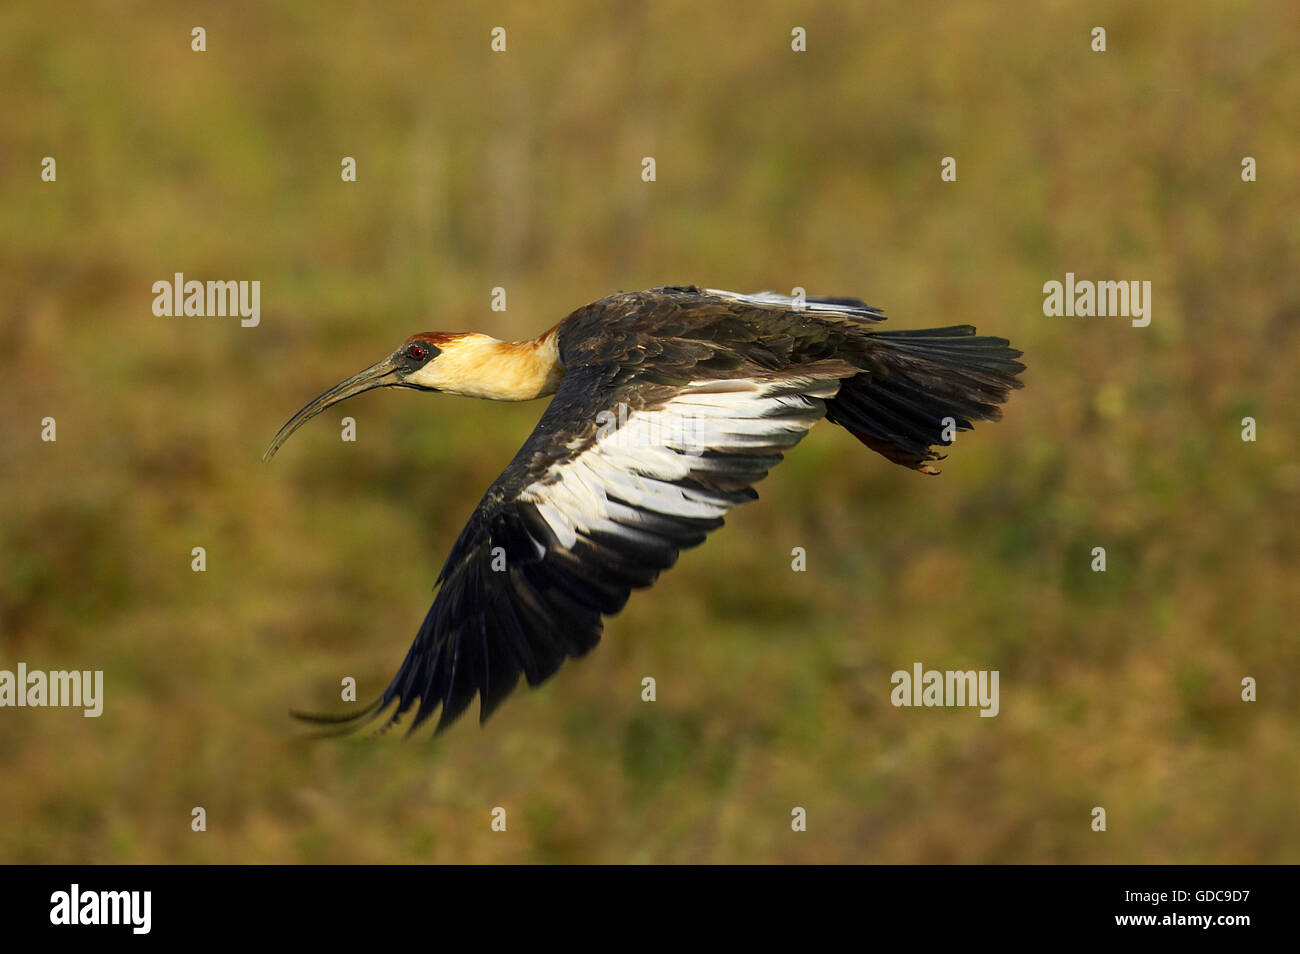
[{"x": 775, "y": 169}]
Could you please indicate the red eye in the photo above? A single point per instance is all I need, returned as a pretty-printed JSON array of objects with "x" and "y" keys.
[{"x": 416, "y": 352}]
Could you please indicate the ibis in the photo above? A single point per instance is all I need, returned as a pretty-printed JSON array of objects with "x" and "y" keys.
[{"x": 667, "y": 407}]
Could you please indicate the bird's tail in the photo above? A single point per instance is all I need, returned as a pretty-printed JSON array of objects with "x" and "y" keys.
[{"x": 920, "y": 387}]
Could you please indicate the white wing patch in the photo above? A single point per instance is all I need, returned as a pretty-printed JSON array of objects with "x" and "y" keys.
[
  {"x": 769, "y": 299},
  {"x": 638, "y": 469}
]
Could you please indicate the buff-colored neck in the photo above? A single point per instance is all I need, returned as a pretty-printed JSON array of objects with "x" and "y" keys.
[{"x": 480, "y": 366}]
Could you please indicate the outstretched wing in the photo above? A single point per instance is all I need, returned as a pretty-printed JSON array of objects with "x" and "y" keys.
[{"x": 621, "y": 473}]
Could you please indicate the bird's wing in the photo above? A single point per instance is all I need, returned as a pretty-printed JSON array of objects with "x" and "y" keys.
[{"x": 621, "y": 473}]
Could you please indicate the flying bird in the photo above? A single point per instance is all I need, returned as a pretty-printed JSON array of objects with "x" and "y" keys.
[{"x": 669, "y": 405}]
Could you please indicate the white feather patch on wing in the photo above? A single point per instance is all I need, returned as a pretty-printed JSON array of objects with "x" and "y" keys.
[
  {"x": 769, "y": 299},
  {"x": 631, "y": 472}
]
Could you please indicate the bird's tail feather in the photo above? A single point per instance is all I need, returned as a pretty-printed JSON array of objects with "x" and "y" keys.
[{"x": 922, "y": 386}]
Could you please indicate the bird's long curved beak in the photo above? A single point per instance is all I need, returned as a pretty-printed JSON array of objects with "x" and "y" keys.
[{"x": 381, "y": 375}]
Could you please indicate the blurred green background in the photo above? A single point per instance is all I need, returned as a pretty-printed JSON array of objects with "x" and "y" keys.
[{"x": 775, "y": 169}]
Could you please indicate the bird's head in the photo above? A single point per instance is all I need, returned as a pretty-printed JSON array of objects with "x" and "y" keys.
[{"x": 472, "y": 365}]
